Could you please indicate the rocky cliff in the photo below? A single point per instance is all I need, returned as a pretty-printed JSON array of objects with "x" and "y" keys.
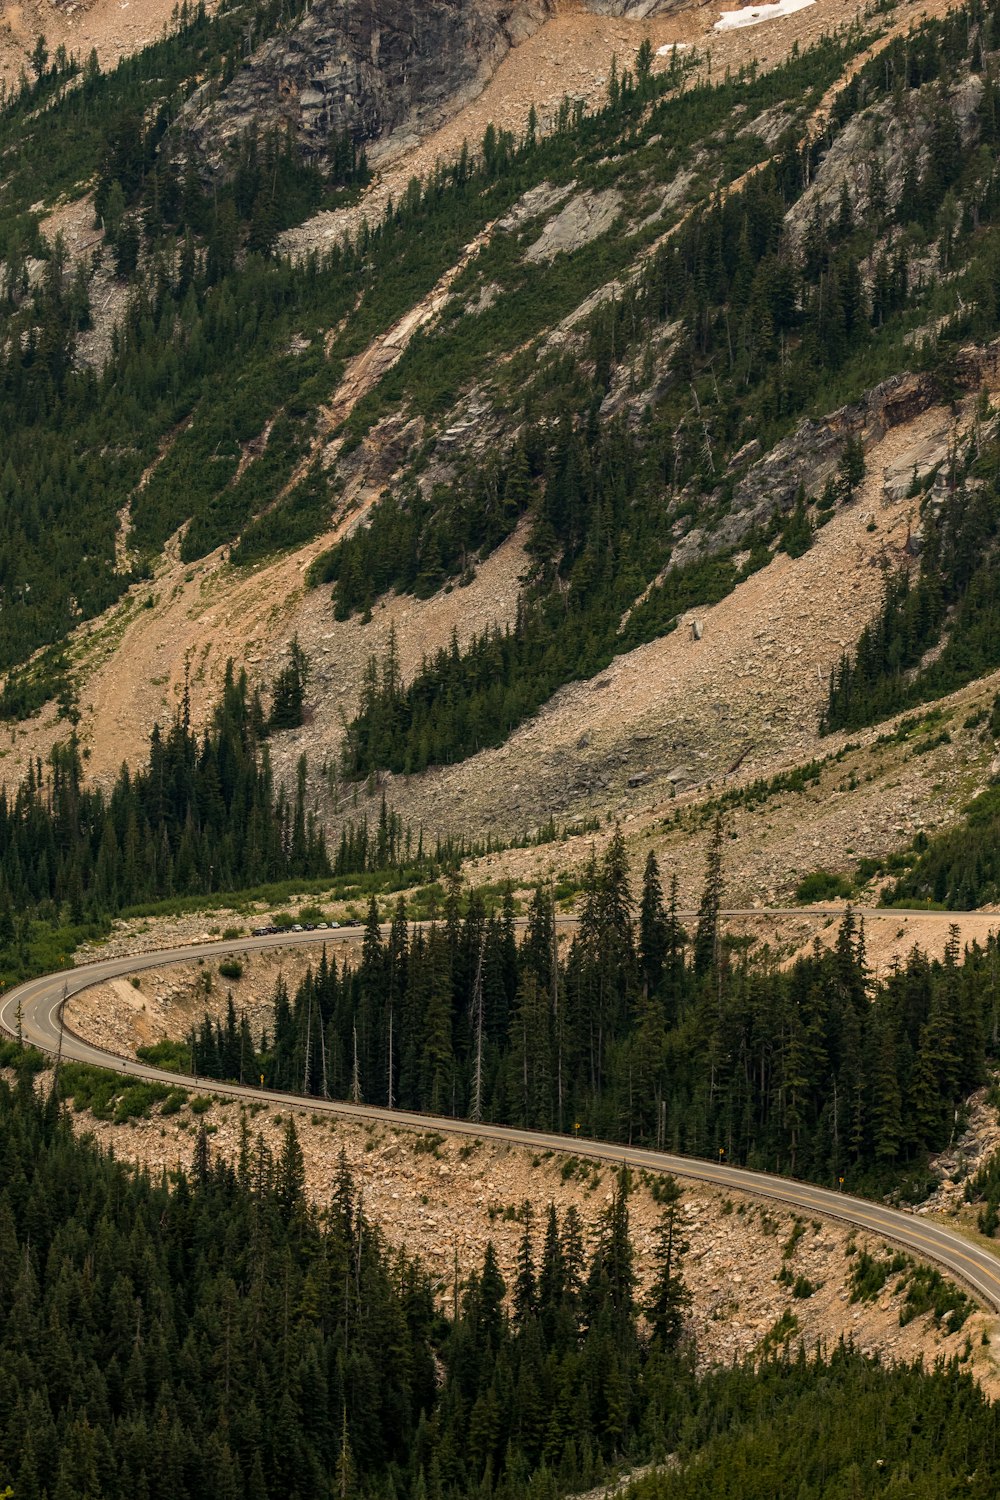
[{"x": 365, "y": 67}]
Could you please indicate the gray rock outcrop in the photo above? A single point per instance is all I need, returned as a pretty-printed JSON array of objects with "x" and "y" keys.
[
  {"x": 636, "y": 10},
  {"x": 362, "y": 67},
  {"x": 583, "y": 220}
]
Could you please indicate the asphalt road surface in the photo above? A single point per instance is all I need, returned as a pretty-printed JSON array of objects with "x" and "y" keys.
[{"x": 35, "y": 1008}]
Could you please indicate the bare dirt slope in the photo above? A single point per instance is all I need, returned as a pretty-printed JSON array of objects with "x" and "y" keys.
[
  {"x": 677, "y": 713},
  {"x": 114, "y": 28}
]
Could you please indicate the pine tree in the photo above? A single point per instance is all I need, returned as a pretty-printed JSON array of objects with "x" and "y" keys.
[
  {"x": 668, "y": 1295},
  {"x": 525, "y": 1287},
  {"x": 653, "y": 930},
  {"x": 707, "y": 940}
]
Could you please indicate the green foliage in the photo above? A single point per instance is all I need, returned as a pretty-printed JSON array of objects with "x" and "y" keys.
[
  {"x": 289, "y": 690},
  {"x": 821, "y": 1428},
  {"x": 462, "y": 701},
  {"x": 108, "y": 1096},
  {"x": 957, "y": 584},
  {"x": 869, "y": 1274},
  {"x": 823, "y": 885},
  {"x": 13, "y": 1055},
  {"x": 201, "y": 816},
  {"x": 959, "y": 868},
  {"x": 221, "y": 363},
  {"x": 984, "y": 1188},
  {"x": 234, "y": 1249},
  {"x": 137, "y": 1101},
  {"x": 636, "y": 1034},
  {"x": 797, "y": 532},
  {"x": 231, "y": 968},
  {"x": 927, "y": 1291}
]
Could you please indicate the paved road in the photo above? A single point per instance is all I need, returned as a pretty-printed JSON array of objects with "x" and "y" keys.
[{"x": 39, "y": 1004}]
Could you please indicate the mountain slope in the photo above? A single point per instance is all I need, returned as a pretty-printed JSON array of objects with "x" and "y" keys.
[{"x": 607, "y": 378}]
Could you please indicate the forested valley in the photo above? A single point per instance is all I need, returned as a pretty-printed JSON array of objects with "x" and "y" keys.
[{"x": 605, "y": 413}]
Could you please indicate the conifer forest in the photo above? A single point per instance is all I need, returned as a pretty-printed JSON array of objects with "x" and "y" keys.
[{"x": 555, "y": 589}]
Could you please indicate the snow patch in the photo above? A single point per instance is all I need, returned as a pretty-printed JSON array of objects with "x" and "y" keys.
[
  {"x": 753, "y": 15},
  {"x": 672, "y": 47}
]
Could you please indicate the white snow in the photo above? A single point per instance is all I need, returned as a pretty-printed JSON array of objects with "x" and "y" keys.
[
  {"x": 753, "y": 15},
  {"x": 672, "y": 47}
]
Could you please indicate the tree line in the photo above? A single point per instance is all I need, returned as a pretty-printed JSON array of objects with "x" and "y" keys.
[
  {"x": 954, "y": 583},
  {"x": 639, "y": 1031}
]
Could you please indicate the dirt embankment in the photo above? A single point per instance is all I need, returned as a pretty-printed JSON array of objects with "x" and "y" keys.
[{"x": 443, "y": 1198}]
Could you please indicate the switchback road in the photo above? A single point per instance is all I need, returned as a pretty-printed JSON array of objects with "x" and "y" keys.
[{"x": 35, "y": 1010}]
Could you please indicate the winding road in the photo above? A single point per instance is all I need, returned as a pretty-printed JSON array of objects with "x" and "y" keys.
[{"x": 34, "y": 1010}]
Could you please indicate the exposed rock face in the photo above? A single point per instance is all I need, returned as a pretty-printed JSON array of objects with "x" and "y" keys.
[
  {"x": 844, "y": 165},
  {"x": 371, "y": 68},
  {"x": 636, "y": 10},
  {"x": 365, "y": 67},
  {"x": 584, "y": 219},
  {"x": 809, "y": 455}
]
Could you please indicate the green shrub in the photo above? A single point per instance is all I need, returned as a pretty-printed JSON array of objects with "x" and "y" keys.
[
  {"x": 824, "y": 885},
  {"x": 172, "y": 1057},
  {"x": 928, "y": 1291},
  {"x": 137, "y": 1101}
]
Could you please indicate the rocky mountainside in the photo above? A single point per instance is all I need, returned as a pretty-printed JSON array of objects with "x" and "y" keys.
[
  {"x": 634, "y": 378},
  {"x": 372, "y": 71}
]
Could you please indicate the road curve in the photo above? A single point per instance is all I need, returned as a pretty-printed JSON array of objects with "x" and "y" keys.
[{"x": 36, "y": 1009}]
